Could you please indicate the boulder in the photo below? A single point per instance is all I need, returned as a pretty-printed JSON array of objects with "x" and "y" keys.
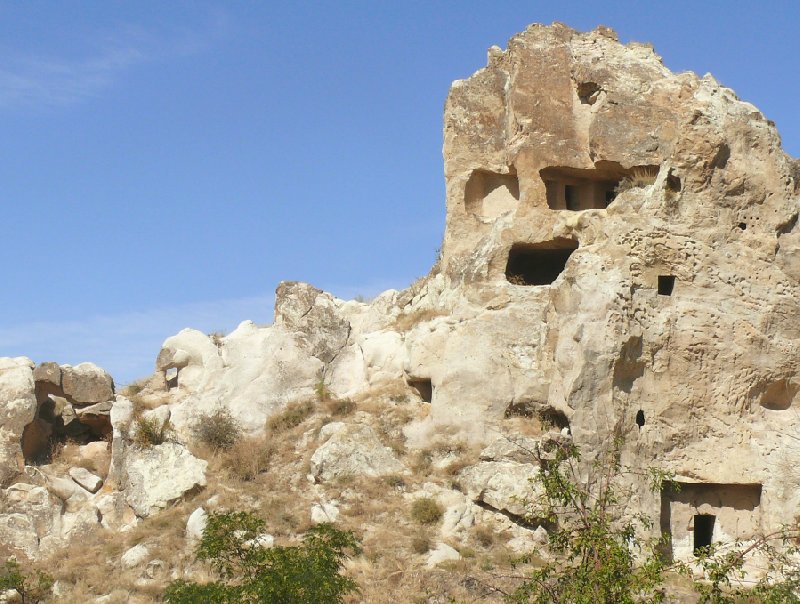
[
  {"x": 324, "y": 512},
  {"x": 352, "y": 450},
  {"x": 86, "y": 479},
  {"x": 134, "y": 556},
  {"x": 158, "y": 475},
  {"x": 17, "y": 410},
  {"x": 86, "y": 384},
  {"x": 195, "y": 525},
  {"x": 442, "y": 553},
  {"x": 504, "y": 485}
]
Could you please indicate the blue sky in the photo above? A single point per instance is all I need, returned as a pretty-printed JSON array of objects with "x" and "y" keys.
[{"x": 167, "y": 164}]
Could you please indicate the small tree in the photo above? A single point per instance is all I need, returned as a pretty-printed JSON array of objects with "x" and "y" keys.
[
  {"x": 32, "y": 587},
  {"x": 603, "y": 554},
  {"x": 597, "y": 554},
  {"x": 310, "y": 573}
]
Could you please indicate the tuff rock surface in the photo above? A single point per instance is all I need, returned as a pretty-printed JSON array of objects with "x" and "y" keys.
[{"x": 621, "y": 258}]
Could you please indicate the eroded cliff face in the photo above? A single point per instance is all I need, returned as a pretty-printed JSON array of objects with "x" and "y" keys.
[
  {"x": 621, "y": 256},
  {"x": 621, "y": 253}
]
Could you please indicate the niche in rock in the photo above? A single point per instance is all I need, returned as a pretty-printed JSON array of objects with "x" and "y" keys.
[
  {"x": 171, "y": 377},
  {"x": 489, "y": 195},
  {"x": 60, "y": 419},
  {"x": 666, "y": 283},
  {"x": 780, "y": 395},
  {"x": 578, "y": 189},
  {"x": 538, "y": 263},
  {"x": 703, "y": 531},
  {"x": 696, "y": 515},
  {"x": 423, "y": 388}
]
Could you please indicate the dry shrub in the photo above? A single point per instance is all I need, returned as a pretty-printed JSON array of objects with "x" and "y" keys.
[
  {"x": 484, "y": 535},
  {"x": 150, "y": 431},
  {"x": 426, "y": 510},
  {"x": 248, "y": 457},
  {"x": 340, "y": 408},
  {"x": 292, "y": 416},
  {"x": 218, "y": 430},
  {"x": 407, "y": 321},
  {"x": 421, "y": 543}
]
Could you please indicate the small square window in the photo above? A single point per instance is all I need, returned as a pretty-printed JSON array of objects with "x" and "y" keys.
[{"x": 666, "y": 283}]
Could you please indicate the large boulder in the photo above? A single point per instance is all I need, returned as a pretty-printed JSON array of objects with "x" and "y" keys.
[
  {"x": 352, "y": 450},
  {"x": 17, "y": 410},
  {"x": 156, "y": 476},
  {"x": 86, "y": 384}
]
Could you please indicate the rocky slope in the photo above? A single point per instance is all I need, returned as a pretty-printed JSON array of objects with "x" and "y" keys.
[{"x": 621, "y": 258}]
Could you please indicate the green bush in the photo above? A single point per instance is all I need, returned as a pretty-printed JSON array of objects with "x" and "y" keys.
[
  {"x": 218, "y": 430},
  {"x": 293, "y": 415},
  {"x": 310, "y": 573},
  {"x": 150, "y": 431},
  {"x": 32, "y": 587},
  {"x": 426, "y": 510}
]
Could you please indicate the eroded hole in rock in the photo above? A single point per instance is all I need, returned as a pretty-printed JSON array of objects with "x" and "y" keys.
[
  {"x": 490, "y": 194},
  {"x": 588, "y": 92},
  {"x": 780, "y": 395},
  {"x": 538, "y": 263},
  {"x": 703, "y": 531},
  {"x": 171, "y": 377},
  {"x": 579, "y": 189},
  {"x": 742, "y": 226},
  {"x": 551, "y": 417},
  {"x": 640, "y": 418},
  {"x": 666, "y": 283},
  {"x": 423, "y": 388},
  {"x": 727, "y": 513}
]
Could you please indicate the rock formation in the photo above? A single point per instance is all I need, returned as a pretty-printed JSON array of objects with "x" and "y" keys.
[{"x": 621, "y": 257}]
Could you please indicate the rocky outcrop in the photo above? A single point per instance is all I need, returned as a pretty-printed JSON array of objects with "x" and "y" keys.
[
  {"x": 352, "y": 450},
  {"x": 158, "y": 475},
  {"x": 17, "y": 410}
]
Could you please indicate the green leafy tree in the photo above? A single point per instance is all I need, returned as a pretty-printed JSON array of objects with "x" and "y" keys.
[
  {"x": 310, "y": 573},
  {"x": 597, "y": 555},
  {"x": 603, "y": 554},
  {"x": 33, "y": 587}
]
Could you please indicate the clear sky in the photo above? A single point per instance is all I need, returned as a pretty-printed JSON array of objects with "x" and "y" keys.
[{"x": 166, "y": 164}]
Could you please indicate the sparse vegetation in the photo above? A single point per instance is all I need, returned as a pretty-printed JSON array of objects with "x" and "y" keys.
[
  {"x": 426, "y": 510},
  {"x": 640, "y": 176},
  {"x": 32, "y": 587},
  {"x": 306, "y": 574},
  {"x": 248, "y": 457},
  {"x": 149, "y": 431},
  {"x": 290, "y": 417},
  {"x": 218, "y": 430},
  {"x": 340, "y": 407}
]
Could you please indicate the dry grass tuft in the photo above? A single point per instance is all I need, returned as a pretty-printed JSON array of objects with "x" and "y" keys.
[{"x": 290, "y": 417}]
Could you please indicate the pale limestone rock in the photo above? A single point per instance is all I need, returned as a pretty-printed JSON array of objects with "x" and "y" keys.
[
  {"x": 195, "y": 525},
  {"x": 324, "y": 512},
  {"x": 352, "y": 450},
  {"x": 503, "y": 485},
  {"x": 254, "y": 372},
  {"x": 17, "y": 410},
  {"x": 442, "y": 553},
  {"x": 262, "y": 540},
  {"x": 86, "y": 384},
  {"x": 86, "y": 479},
  {"x": 458, "y": 519},
  {"x": 18, "y": 532},
  {"x": 135, "y": 556},
  {"x": 522, "y": 449},
  {"x": 158, "y": 475}
]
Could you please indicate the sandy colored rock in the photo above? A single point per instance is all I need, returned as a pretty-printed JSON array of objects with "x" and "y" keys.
[
  {"x": 352, "y": 450},
  {"x": 158, "y": 475},
  {"x": 86, "y": 384}
]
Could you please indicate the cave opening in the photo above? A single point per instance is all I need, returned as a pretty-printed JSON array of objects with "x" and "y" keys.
[
  {"x": 423, "y": 388},
  {"x": 703, "y": 531},
  {"x": 666, "y": 283},
  {"x": 538, "y": 264}
]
